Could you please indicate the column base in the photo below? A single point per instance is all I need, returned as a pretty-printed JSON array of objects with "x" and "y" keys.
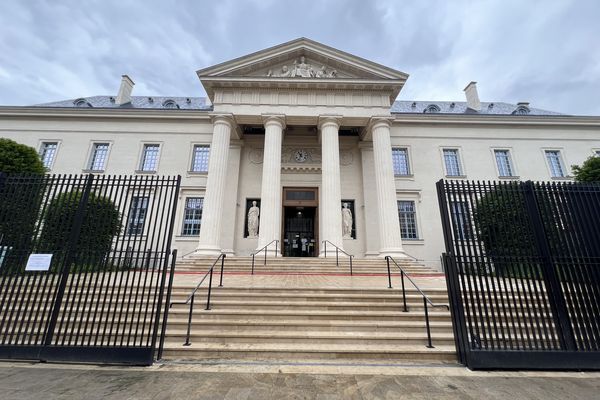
[
  {"x": 206, "y": 250},
  {"x": 393, "y": 252}
]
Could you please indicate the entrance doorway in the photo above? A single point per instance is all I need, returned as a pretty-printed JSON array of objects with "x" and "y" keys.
[
  {"x": 300, "y": 222},
  {"x": 299, "y": 237}
]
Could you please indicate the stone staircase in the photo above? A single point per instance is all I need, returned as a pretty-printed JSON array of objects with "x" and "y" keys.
[
  {"x": 312, "y": 324},
  {"x": 283, "y": 265}
]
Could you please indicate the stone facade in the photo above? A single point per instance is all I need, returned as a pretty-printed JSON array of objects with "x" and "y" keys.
[{"x": 268, "y": 130}]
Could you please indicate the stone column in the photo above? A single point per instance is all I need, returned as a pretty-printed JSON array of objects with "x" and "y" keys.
[
  {"x": 330, "y": 208},
  {"x": 210, "y": 230},
  {"x": 390, "y": 241},
  {"x": 269, "y": 228}
]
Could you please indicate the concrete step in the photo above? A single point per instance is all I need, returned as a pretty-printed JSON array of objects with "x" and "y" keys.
[{"x": 247, "y": 351}]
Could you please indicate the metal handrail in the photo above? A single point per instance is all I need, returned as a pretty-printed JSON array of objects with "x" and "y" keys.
[
  {"x": 337, "y": 257},
  {"x": 265, "y": 249},
  {"x": 426, "y": 298},
  {"x": 192, "y": 295}
]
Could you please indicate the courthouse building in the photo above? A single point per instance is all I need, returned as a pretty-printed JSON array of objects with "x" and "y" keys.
[{"x": 303, "y": 143}]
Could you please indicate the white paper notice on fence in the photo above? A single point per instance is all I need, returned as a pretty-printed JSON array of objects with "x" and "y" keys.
[{"x": 38, "y": 262}]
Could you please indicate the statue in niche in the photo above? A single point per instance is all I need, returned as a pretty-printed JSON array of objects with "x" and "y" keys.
[
  {"x": 346, "y": 222},
  {"x": 253, "y": 214}
]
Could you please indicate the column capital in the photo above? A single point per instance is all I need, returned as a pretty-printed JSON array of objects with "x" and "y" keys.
[
  {"x": 329, "y": 119},
  {"x": 278, "y": 119},
  {"x": 375, "y": 122},
  {"x": 222, "y": 118}
]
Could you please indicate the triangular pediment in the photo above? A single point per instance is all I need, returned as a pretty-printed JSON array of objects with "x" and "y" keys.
[
  {"x": 302, "y": 58},
  {"x": 302, "y": 64}
]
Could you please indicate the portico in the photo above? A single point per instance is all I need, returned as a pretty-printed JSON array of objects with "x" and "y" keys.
[{"x": 301, "y": 111}]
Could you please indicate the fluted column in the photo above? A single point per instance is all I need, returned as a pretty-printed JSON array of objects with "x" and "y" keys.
[
  {"x": 390, "y": 241},
  {"x": 330, "y": 208},
  {"x": 210, "y": 230},
  {"x": 270, "y": 193}
]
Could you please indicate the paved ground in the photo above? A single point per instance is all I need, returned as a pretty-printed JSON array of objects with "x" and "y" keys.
[{"x": 265, "y": 381}]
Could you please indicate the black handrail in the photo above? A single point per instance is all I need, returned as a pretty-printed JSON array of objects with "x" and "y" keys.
[
  {"x": 337, "y": 256},
  {"x": 426, "y": 299},
  {"x": 190, "y": 298},
  {"x": 265, "y": 249}
]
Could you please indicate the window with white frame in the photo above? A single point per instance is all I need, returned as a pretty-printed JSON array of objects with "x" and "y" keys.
[
  {"x": 149, "y": 161},
  {"x": 452, "y": 162},
  {"x": 192, "y": 216},
  {"x": 407, "y": 213},
  {"x": 98, "y": 157},
  {"x": 597, "y": 153},
  {"x": 48, "y": 152},
  {"x": 555, "y": 163},
  {"x": 400, "y": 161},
  {"x": 504, "y": 163},
  {"x": 137, "y": 215},
  {"x": 200, "y": 158}
]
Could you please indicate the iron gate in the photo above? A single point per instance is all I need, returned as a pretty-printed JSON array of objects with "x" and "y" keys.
[
  {"x": 522, "y": 266},
  {"x": 99, "y": 291}
]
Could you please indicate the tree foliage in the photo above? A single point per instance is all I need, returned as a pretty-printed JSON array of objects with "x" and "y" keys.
[
  {"x": 100, "y": 225},
  {"x": 589, "y": 171},
  {"x": 16, "y": 158}
]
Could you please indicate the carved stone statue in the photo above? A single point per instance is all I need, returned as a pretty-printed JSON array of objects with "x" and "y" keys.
[
  {"x": 302, "y": 69},
  {"x": 346, "y": 222},
  {"x": 253, "y": 214}
]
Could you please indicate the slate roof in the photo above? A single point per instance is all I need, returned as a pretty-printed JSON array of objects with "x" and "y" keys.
[
  {"x": 142, "y": 102},
  {"x": 200, "y": 103}
]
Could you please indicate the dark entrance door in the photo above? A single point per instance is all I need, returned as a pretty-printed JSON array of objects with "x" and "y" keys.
[{"x": 299, "y": 232}]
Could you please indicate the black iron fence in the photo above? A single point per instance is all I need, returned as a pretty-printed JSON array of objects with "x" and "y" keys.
[
  {"x": 83, "y": 266},
  {"x": 523, "y": 273}
]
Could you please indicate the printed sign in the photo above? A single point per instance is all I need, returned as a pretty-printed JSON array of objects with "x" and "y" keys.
[{"x": 38, "y": 262}]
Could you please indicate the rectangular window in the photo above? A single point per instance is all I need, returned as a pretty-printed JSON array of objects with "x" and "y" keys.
[
  {"x": 408, "y": 219},
  {"x": 99, "y": 156},
  {"x": 400, "y": 161},
  {"x": 504, "y": 163},
  {"x": 460, "y": 219},
  {"x": 137, "y": 215},
  {"x": 48, "y": 152},
  {"x": 200, "y": 158},
  {"x": 192, "y": 216},
  {"x": 555, "y": 163},
  {"x": 597, "y": 153},
  {"x": 149, "y": 157},
  {"x": 452, "y": 162}
]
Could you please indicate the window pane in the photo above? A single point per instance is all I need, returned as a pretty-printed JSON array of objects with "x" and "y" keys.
[
  {"x": 400, "y": 161},
  {"x": 200, "y": 159},
  {"x": 150, "y": 157},
  {"x": 452, "y": 162},
  {"x": 99, "y": 154},
  {"x": 503, "y": 162},
  {"x": 47, "y": 153},
  {"x": 460, "y": 215},
  {"x": 192, "y": 216},
  {"x": 137, "y": 215},
  {"x": 555, "y": 163},
  {"x": 408, "y": 219}
]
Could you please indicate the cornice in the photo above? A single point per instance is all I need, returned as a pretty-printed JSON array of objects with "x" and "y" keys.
[
  {"x": 499, "y": 120},
  {"x": 91, "y": 113}
]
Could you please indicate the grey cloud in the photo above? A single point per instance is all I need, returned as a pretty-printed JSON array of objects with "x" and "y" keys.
[{"x": 546, "y": 52}]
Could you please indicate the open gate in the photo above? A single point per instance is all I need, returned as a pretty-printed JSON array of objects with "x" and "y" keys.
[
  {"x": 83, "y": 266},
  {"x": 522, "y": 266}
]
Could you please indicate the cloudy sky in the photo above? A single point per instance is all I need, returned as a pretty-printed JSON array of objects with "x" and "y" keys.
[{"x": 545, "y": 52}]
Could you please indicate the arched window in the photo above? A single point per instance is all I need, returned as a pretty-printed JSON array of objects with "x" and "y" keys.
[
  {"x": 170, "y": 104},
  {"x": 81, "y": 103},
  {"x": 432, "y": 108},
  {"x": 521, "y": 110}
]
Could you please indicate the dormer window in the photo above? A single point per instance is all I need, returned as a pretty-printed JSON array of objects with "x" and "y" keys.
[
  {"x": 521, "y": 110},
  {"x": 170, "y": 104},
  {"x": 431, "y": 109},
  {"x": 81, "y": 103}
]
